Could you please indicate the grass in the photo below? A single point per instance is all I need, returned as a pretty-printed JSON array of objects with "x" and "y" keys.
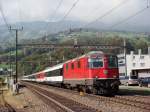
[{"x": 4, "y": 66}]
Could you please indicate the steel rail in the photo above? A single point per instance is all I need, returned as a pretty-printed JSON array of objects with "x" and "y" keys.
[
  {"x": 116, "y": 99},
  {"x": 44, "y": 91}
]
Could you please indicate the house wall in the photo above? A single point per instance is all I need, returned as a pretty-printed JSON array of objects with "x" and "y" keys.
[{"x": 133, "y": 61}]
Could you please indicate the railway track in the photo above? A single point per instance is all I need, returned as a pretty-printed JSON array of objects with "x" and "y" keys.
[
  {"x": 137, "y": 96},
  {"x": 126, "y": 101},
  {"x": 117, "y": 99},
  {"x": 138, "y": 99},
  {"x": 6, "y": 108},
  {"x": 63, "y": 103}
]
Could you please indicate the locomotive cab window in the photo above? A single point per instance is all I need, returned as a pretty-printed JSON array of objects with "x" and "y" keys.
[
  {"x": 112, "y": 62},
  {"x": 95, "y": 63}
]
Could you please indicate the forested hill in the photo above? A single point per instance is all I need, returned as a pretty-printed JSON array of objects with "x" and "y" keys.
[{"x": 37, "y": 29}]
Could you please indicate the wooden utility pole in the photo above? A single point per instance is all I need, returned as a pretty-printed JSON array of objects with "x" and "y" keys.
[{"x": 16, "y": 59}]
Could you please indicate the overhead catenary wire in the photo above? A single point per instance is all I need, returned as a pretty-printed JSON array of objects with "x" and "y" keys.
[
  {"x": 69, "y": 11},
  {"x": 54, "y": 13},
  {"x": 3, "y": 16},
  {"x": 106, "y": 13},
  {"x": 93, "y": 11},
  {"x": 130, "y": 17},
  {"x": 19, "y": 12},
  {"x": 57, "y": 8},
  {"x": 19, "y": 15}
]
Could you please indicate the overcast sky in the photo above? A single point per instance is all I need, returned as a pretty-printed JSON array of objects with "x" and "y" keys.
[{"x": 85, "y": 10}]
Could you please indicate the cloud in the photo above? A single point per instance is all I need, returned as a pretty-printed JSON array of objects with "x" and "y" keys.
[{"x": 85, "y": 10}]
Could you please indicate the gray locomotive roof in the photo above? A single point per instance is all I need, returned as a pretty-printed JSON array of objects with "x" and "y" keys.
[{"x": 86, "y": 55}]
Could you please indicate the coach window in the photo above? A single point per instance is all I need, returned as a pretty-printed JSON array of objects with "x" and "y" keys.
[
  {"x": 66, "y": 66},
  {"x": 49, "y": 74},
  {"x": 78, "y": 64},
  {"x": 72, "y": 65}
]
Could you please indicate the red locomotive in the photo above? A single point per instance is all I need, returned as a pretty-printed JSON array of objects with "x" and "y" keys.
[{"x": 94, "y": 72}]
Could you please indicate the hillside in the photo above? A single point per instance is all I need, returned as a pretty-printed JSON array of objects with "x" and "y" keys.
[{"x": 38, "y": 29}]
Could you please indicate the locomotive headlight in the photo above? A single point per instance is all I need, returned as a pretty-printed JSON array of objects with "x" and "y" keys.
[
  {"x": 105, "y": 72},
  {"x": 96, "y": 77},
  {"x": 115, "y": 76}
]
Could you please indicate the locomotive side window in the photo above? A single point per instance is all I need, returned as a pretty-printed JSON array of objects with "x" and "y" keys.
[
  {"x": 67, "y": 66},
  {"x": 78, "y": 64},
  {"x": 112, "y": 62},
  {"x": 95, "y": 63},
  {"x": 72, "y": 65}
]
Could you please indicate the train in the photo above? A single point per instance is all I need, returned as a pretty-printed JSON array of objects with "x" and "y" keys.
[{"x": 95, "y": 72}]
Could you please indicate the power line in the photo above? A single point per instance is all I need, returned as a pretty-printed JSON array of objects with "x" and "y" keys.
[
  {"x": 3, "y": 16},
  {"x": 19, "y": 10},
  {"x": 69, "y": 11},
  {"x": 107, "y": 13},
  {"x": 4, "y": 19},
  {"x": 59, "y": 5},
  {"x": 130, "y": 17},
  {"x": 55, "y": 11},
  {"x": 93, "y": 11},
  {"x": 19, "y": 15}
]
